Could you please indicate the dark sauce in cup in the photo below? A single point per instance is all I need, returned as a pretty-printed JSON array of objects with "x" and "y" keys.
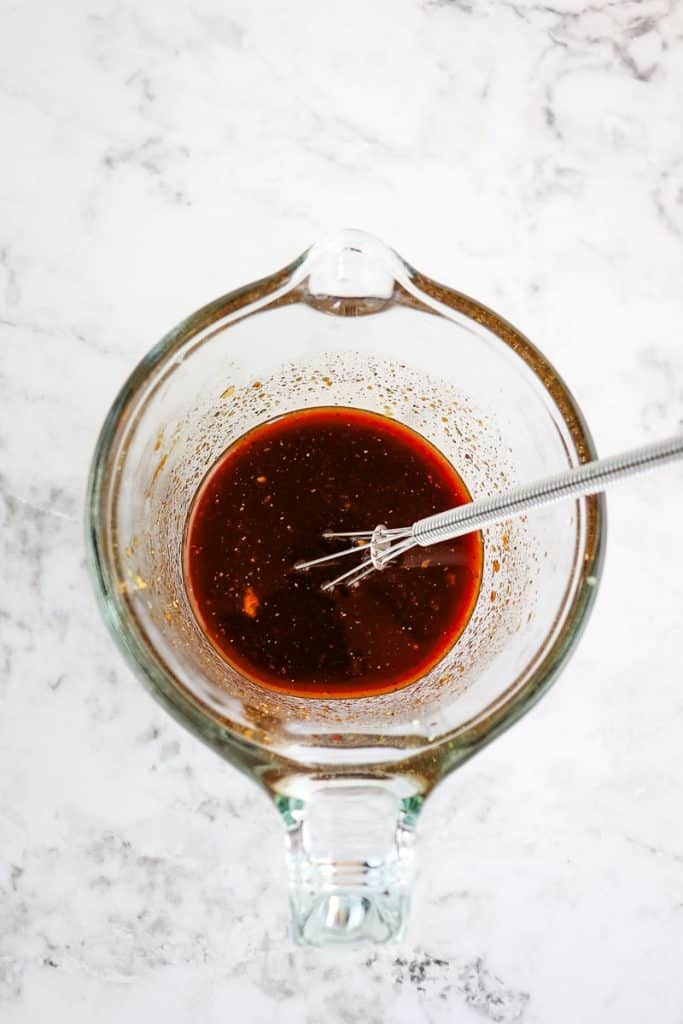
[{"x": 265, "y": 505}]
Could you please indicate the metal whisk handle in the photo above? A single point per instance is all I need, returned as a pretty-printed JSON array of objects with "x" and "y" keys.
[{"x": 589, "y": 478}]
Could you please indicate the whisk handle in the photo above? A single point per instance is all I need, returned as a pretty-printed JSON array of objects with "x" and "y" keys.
[{"x": 588, "y": 478}]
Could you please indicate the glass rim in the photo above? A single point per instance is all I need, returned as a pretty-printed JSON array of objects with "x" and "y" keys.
[{"x": 517, "y": 697}]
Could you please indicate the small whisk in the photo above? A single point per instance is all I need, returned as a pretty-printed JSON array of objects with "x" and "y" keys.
[{"x": 383, "y": 545}]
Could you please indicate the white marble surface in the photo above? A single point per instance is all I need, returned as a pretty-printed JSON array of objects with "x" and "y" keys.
[{"x": 155, "y": 155}]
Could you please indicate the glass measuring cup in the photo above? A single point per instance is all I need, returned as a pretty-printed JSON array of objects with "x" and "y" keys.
[{"x": 348, "y": 323}]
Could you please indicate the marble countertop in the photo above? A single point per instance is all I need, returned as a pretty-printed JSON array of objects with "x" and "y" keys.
[{"x": 156, "y": 155}]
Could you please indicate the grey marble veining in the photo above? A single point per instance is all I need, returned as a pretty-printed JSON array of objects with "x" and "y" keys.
[{"x": 157, "y": 155}]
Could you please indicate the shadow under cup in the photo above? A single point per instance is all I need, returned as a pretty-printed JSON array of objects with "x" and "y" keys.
[{"x": 347, "y": 324}]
